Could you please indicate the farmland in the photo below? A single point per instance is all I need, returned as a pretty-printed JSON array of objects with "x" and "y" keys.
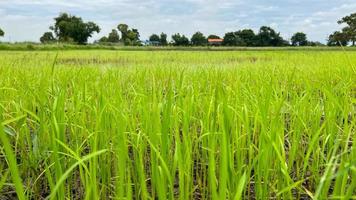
[{"x": 177, "y": 124}]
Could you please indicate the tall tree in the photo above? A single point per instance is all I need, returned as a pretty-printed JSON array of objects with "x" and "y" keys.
[
  {"x": 338, "y": 38},
  {"x": 230, "y": 39},
  {"x": 180, "y": 40},
  {"x": 299, "y": 39},
  {"x": 70, "y": 28},
  {"x": 154, "y": 38},
  {"x": 123, "y": 28},
  {"x": 198, "y": 39},
  {"x": 350, "y": 29},
  {"x": 113, "y": 36},
  {"x": 163, "y": 39},
  {"x": 129, "y": 36},
  {"x": 213, "y": 37},
  {"x": 137, "y": 34},
  {"x": 103, "y": 39},
  {"x": 47, "y": 37},
  {"x": 2, "y": 33},
  {"x": 246, "y": 37},
  {"x": 269, "y": 37},
  {"x": 133, "y": 37},
  {"x": 315, "y": 43}
]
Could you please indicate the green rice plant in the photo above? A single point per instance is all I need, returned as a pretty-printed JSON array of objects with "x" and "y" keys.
[
  {"x": 11, "y": 161},
  {"x": 177, "y": 124}
]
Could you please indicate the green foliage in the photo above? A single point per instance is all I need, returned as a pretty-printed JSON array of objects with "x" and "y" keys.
[
  {"x": 299, "y": 39},
  {"x": 112, "y": 39},
  {"x": 238, "y": 38},
  {"x": 134, "y": 36},
  {"x": 47, "y": 37},
  {"x": 198, "y": 39},
  {"x": 113, "y": 36},
  {"x": 154, "y": 38},
  {"x": 70, "y": 28},
  {"x": 30, "y": 47},
  {"x": 129, "y": 37},
  {"x": 22, "y": 46},
  {"x": 163, "y": 39},
  {"x": 11, "y": 162},
  {"x": 158, "y": 40},
  {"x": 338, "y": 38},
  {"x": 350, "y": 29},
  {"x": 123, "y": 28},
  {"x": 246, "y": 37},
  {"x": 177, "y": 125},
  {"x": 180, "y": 40},
  {"x": 230, "y": 39},
  {"x": 103, "y": 39},
  {"x": 315, "y": 44},
  {"x": 269, "y": 37},
  {"x": 213, "y": 37},
  {"x": 2, "y": 33}
]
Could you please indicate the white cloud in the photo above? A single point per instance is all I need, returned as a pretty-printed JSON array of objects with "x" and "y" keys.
[
  {"x": 27, "y": 20},
  {"x": 320, "y": 24}
]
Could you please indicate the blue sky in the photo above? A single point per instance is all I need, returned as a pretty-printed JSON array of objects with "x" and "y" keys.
[{"x": 28, "y": 19}]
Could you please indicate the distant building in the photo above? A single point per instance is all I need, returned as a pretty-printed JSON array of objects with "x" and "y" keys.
[
  {"x": 215, "y": 42},
  {"x": 145, "y": 42},
  {"x": 150, "y": 43}
]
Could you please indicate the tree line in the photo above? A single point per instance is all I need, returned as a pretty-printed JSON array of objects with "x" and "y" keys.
[
  {"x": 347, "y": 34},
  {"x": 72, "y": 29},
  {"x": 2, "y": 33}
]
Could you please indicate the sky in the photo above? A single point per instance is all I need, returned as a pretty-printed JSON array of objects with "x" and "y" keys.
[{"x": 27, "y": 20}]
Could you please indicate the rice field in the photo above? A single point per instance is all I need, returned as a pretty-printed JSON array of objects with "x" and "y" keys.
[{"x": 177, "y": 125}]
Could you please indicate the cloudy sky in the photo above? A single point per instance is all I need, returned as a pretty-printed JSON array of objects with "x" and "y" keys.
[{"x": 26, "y": 20}]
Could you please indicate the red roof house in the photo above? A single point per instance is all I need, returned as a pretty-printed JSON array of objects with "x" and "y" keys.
[{"x": 215, "y": 41}]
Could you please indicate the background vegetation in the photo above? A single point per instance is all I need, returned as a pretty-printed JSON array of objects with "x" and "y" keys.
[{"x": 73, "y": 30}]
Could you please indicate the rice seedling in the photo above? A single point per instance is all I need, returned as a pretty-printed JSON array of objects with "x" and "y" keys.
[{"x": 177, "y": 125}]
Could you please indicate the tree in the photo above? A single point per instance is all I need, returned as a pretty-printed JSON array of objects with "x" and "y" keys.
[
  {"x": 123, "y": 28},
  {"x": 154, "y": 38},
  {"x": 133, "y": 37},
  {"x": 350, "y": 29},
  {"x": 198, "y": 39},
  {"x": 338, "y": 38},
  {"x": 103, "y": 39},
  {"x": 299, "y": 39},
  {"x": 230, "y": 39},
  {"x": 159, "y": 40},
  {"x": 315, "y": 43},
  {"x": 246, "y": 37},
  {"x": 137, "y": 34},
  {"x": 180, "y": 40},
  {"x": 113, "y": 36},
  {"x": 269, "y": 37},
  {"x": 47, "y": 37},
  {"x": 213, "y": 37},
  {"x": 69, "y": 28},
  {"x": 2, "y": 33},
  {"x": 163, "y": 39},
  {"x": 129, "y": 36}
]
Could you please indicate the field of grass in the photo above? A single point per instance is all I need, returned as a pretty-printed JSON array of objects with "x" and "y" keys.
[
  {"x": 177, "y": 125},
  {"x": 30, "y": 46}
]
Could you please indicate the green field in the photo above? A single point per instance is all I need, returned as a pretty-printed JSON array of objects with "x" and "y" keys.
[
  {"x": 31, "y": 46},
  {"x": 177, "y": 124}
]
